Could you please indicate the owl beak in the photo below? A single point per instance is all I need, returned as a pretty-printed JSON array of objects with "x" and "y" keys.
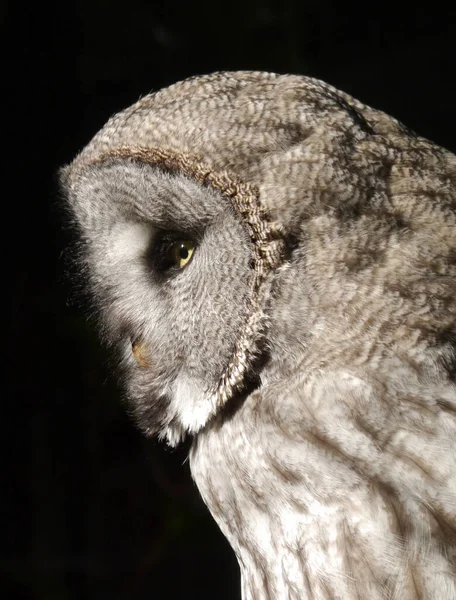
[{"x": 139, "y": 351}]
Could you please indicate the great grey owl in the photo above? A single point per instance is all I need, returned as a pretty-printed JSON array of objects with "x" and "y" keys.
[{"x": 276, "y": 264}]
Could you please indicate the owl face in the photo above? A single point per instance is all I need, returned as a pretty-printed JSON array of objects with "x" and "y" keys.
[{"x": 171, "y": 270}]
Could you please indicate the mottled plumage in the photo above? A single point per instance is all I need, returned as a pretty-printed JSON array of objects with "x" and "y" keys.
[{"x": 309, "y": 342}]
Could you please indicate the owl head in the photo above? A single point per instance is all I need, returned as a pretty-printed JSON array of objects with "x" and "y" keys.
[{"x": 191, "y": 203}]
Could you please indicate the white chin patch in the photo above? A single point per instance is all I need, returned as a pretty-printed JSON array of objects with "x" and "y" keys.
[{"x": 191, "y": 404}]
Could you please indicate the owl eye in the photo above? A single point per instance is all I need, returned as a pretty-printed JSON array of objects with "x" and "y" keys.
[
  {"x": 170, "y": 251},
  {"x": 180, "y": 253}
]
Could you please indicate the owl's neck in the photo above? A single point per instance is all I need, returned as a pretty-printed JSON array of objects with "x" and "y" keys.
[
  {"x": 336, "y": 477},
  {"x": 304, "y": 520}
]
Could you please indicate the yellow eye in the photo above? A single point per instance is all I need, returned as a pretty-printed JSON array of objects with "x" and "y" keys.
[{"x": 180, "y": 253}]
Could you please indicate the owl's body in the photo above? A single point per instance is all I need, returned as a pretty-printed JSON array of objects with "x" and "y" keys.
[{"x": 306, "y": 337}]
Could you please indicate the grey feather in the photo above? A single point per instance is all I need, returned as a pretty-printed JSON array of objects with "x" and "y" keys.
[{"x": 309, "y": 345}]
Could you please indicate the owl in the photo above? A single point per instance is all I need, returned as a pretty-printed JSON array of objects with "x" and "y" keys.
[{"x": 275, "y": 264}]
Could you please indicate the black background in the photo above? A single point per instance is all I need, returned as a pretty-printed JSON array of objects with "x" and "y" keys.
[{"x": 89, "y": 508}]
